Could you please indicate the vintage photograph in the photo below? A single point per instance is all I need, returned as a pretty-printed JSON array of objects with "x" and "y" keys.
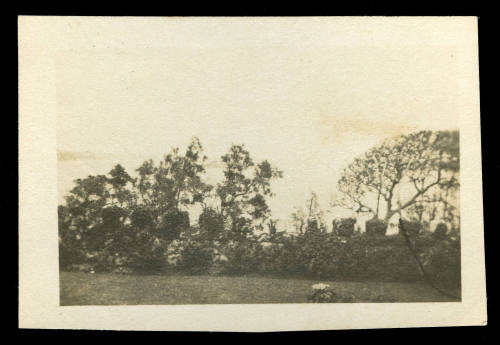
[
  {"x": 233, "y": 161},
  {"x": 258, "y": 175}
]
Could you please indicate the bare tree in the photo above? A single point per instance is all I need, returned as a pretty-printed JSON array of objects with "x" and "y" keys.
[
  {"x": 312, "y": 219},
  {"x": 421, "y": 164}
]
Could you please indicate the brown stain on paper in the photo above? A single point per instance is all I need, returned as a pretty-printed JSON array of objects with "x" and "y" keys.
[{"x": 332, "y": 129}]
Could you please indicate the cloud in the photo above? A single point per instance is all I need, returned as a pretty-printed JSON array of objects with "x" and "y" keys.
[{"x": 79, "y": 156}]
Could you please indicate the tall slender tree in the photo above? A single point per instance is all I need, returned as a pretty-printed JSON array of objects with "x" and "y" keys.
[{"x": 244, "y": 188}]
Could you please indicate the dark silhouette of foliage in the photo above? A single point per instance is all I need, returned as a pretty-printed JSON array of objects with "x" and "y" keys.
[
  {"x": 431, "y": 256},
  {"x": 175, "y": 182},
  {"x": 441, "y": 230},
  {"x": 211, "y": 223},
  {"x": 344, "y": 226},
  {"x": 412, "y": 227},
  {"x": 243, "y": 190},
  {"x": 172, "y": 223},
  {"x": 376, "y": 226},
  {"x": 142, "y": 218},
  {"x": 243, "y": 257},
  {"x": 197, "y": 257}
]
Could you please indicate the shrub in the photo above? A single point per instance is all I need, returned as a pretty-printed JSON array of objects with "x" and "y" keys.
[
  {"x": 376, "y": 226},
  {"x": 442, "y": 262},
  {"x": 243, "y": 257},
  {"x": 142, "y": 218},
  {"x": 366, "y": 257},
  {"x": 70, "y": 246},
  {"x": 412, "y": 227},
  {"x": 284, "y": 258},
  {"x": 313, "y": 254},
  {"x": 441, "y": 231},
  {"x": 70, "y": 253},
  {"x": 321, "y": 255},
  {"x": 196, "y": 257},
  {"x": 313, "y": 226},
  {"x": 112, "y": 245},
  {"x": 149, "y": 254},
  {"x": 344, "y": 226},
  {"x": 322, "y": 293}
]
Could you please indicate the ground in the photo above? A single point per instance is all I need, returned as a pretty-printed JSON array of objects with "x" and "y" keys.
[{"x": 121, "y": 289}]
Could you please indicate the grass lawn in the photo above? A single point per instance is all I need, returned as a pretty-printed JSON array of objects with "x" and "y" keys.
[{"x": 120, "y": 289}]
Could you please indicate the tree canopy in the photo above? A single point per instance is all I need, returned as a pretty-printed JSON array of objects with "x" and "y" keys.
[
  {"x": 402, "y": 174},
  {"x": 244, "y": 188}
]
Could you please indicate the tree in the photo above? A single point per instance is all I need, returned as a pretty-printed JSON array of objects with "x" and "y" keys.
[
  {"x": 142, "y": 218},
  {"x": 417, "y": 165},
  {"x": 119, "y": 181},
  {"x": 172, "y": 223},
  {"x": 145, "y": 183},
  {"x": 315, "y": 220},
  {"x": 311, "y": 220},
  {"x": 92, "y": 223},
  {"x": 244, "y": 188},
  {"x": 70, "y": 249},
  {"x": 175, "y": 182},
  {"x": 424, "y": 166},
  {"x": 299, "y": 220},
  {"x": 183, "y": 175},
  {"x": 84, "y": 204}
]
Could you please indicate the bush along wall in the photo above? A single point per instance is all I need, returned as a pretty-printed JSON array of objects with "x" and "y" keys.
[{"x": 116, "y": 247}]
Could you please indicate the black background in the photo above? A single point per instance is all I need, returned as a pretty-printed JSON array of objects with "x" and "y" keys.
[{"x": 488, "y": 59}]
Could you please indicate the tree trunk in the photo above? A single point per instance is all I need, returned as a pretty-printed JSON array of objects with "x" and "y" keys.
[
  {"x": 389, "y": 214},
  {"x": 425, "y": 275}
]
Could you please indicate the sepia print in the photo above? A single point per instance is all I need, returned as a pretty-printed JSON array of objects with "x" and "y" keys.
[{"x": 278, "y": 162}]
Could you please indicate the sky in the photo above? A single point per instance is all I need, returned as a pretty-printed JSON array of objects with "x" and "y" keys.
[{"x": 309, "y": 110}]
